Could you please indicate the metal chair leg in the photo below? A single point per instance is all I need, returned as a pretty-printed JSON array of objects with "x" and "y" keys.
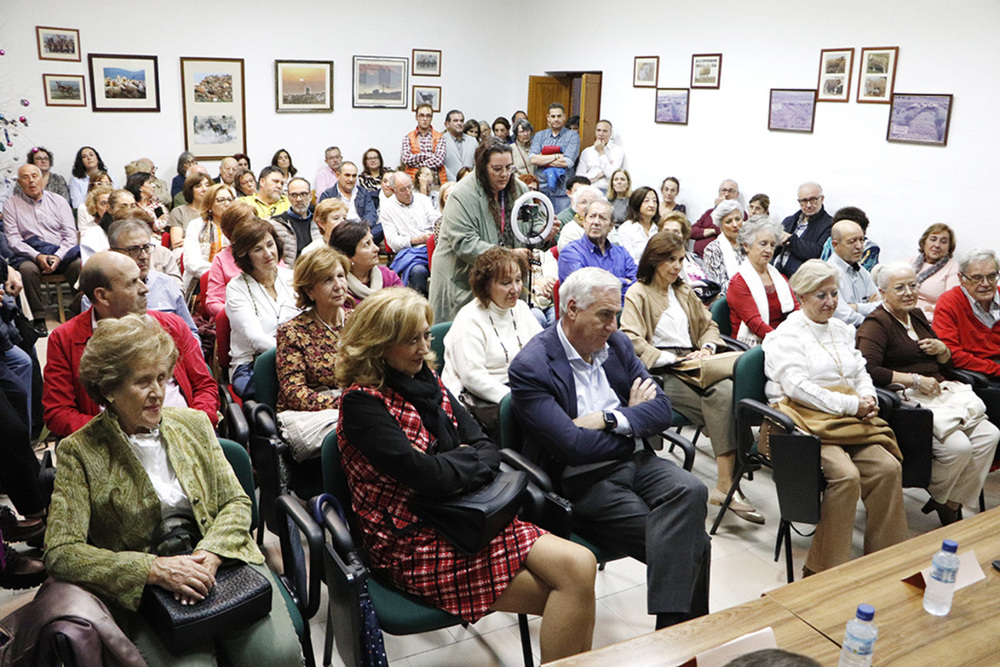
[
  {"x": 737, "y": 475},
  {"x": 522, "y": 625}
]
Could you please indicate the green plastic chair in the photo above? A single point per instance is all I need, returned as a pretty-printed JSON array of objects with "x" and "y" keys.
[{"x": 438, "y": 332}]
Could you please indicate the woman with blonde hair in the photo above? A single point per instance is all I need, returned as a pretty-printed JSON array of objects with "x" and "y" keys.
[
  {"x": 402, "y": 434},
  {"x": 329, "y": 214},
  {"x": 94, "y": 207}
]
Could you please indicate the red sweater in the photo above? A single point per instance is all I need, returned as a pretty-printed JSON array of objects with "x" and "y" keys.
[
  {"x": 972, "y": 345},
  {"x": 742, "y": 308}
]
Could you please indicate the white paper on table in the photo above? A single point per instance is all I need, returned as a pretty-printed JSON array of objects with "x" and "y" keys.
[
  {"x": 754, "y": 641},
  {"x": 969, "y": 571}
]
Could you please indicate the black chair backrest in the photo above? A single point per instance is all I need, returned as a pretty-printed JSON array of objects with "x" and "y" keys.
[{"x": 798, "y": 476}]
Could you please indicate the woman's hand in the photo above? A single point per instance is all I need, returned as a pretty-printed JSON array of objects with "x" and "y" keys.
[
  {"x": 926, "y": 385},
  {"x": 208, "y": 559},
  {"x": 187, "y": 577},
  {"x": 699, "y": 354},
  {"x": 867, "y": 408},
  {"x": 933, "y": 347}
]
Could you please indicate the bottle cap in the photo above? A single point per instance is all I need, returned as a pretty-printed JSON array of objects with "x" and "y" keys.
[
  {"x": 866, "y": 612},
  {"x": 950, "y": 546}
]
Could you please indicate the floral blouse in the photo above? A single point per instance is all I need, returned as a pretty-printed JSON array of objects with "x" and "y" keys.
[{"x": 305, "y": 363}]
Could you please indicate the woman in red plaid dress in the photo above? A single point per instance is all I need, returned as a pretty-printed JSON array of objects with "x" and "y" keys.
[{"x": 401, "y": 433}]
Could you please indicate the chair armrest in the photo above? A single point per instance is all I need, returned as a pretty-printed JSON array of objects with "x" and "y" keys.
[
  {"x": 733, "y": 344},
  {"x": 887, "y": 401},
  {"x": 748, "y": 406},
  {"x": 977, "y": 380},
  {"x": 236, "y": 424},
  {"x": 289, "y": 511},
  {"x": 339, "y": 532},
  {"x": 537, "y": 476},
  {"x": 684, "y": 444}
]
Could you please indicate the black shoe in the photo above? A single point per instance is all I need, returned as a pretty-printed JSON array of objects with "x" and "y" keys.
[
  {"x": 946, "y": 514},
  {"x": 21, "y": 571},
  {"x": 40, "y": 329}
]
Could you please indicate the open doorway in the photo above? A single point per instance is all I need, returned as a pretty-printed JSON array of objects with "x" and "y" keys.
[{"x": 579, "y": 92}]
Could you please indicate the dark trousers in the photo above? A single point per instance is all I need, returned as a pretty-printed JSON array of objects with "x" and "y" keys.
[
  {"x": 654, "y": 511},
  {"x": 418, "y": 278},
  {"x": 31, "y": 275},
  {"x": 18, "y": 464}
]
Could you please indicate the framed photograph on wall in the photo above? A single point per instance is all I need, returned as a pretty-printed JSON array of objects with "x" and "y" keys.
[
  {"x": 426, "y": 62},
  {"x": 58, "y": 43},
  {"x": 212, "y": 91},
  {"x": 427, "y": 95},
  {"x": 877, "y": 77},
  {"x": 646, "y": 71},
  {"x": 920, "y": 119},
  {"x": 380, "y": 82},
  {"x": 123, "y": 83},
  {"x": 835, "y": 69},
  {"x": 64, "y": 90},
  {"x": 303, "y": 86},
  {"x": 706, "y": 70},
  {"x": 672, "y": 105},
  {"x": 792, "y": 110}
]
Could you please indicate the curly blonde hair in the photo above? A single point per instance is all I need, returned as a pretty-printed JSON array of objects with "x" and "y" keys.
[
  {"x": 116, "y": 347},
  {"x": 386, "y": 318}
]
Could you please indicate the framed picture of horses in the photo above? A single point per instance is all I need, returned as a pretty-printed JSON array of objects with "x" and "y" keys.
[
  {"x": 212, "y": 90},
  {"x": 123, "y": 83},
  {"x": 64, "y": 90}
]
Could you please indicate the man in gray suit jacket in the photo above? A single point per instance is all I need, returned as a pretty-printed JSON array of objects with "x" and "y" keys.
[{"x": 587, "y": 403}]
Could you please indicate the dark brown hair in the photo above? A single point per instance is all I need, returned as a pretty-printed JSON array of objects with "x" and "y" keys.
[
  {"x": 246, "y": 235},
  {"x": 661, "y": 245},
  {"x": 191, "y": 182}
]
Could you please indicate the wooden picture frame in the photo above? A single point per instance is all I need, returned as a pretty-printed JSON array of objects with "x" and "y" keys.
[
  {"x": 426, "y": 62},
  {"x": 380, "y": 82},
  {"x": 792, "y": 110},
  {"x": 877, "y": 75},
  {"x": 124, "y": 82},
  {"x": 836, "y": 69},
  {"x": 920, "y": 119},
  {"x": 706, "y": 70},
  {"x": 427, "y": 95},
  {"x": 646, "y": 71},
  {"x": 58, "y": 43},
  {"x": 64, "y": 90},
  {"x": 214, "y": 102},
  {"x": 672, "y": 105},
  {"x": 303, "y": 86}
]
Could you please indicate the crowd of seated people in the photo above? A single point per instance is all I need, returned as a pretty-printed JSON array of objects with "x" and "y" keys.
[{"x": 320, "y": 272}]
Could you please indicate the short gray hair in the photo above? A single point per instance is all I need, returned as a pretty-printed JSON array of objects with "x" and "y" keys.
[
  {"x": 977, "y": 255},
  {"x": 582, "y": 287},
  {"x": 600, "y": 201},
  {"x": 398, "y": 179},
  {"x": 579, "y": 193},
  {"x": 725, "y": 207},
  {"x": 884, "y": 273},
  {"x": 811, "y": 275},
  {"x": 756, "y": 224},
  {"x": 299, "y": 178},
  {"x": 120, "y": 228}
]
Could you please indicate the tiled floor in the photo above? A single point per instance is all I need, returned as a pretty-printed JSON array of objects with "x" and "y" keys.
[{"x": 743, "y": 568}]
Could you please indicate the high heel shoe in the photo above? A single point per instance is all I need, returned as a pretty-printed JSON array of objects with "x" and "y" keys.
[{"x": 946, "y": 515}]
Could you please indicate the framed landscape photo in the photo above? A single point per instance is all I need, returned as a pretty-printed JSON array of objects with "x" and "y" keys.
[
  {"x": 835, "y": 69},
  {"x": 672, "y": 105},
  {"x": 427, "y": 95},
  {"x": 380, "y": 82},
  {"x": 706, "y": 70},
  {"x": 920, "y": 119},
  {"x": 877, "y": 77},
  {"x": 64, "y": 90},
  {"x": 646, "y": 71},
  {"x": 123, "y": 83},
  {"x": 58, "y": 43},
  {"x": 303, "y": 86},
  {"x": 212, "y": 92},
  {"x": 426, "y": 62},
  {"x": 792, "y": 110}
]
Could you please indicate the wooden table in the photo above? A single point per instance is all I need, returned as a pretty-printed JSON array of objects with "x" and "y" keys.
[
  {"x": 969, "y": 635},
  {"x": 676, "y": 645}
]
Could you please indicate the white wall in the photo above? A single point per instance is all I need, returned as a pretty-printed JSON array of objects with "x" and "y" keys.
[{"x": 944, "y": 48}]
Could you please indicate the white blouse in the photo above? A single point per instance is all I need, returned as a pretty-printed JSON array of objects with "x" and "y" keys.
[
  {"x": 802, "y": 358},
  {"x": 634, "y": 239},
  {"x": 254, "y": 316},
  {"x": 673, "y": 329},
  {"x": 481, "y": 344},
  {"x": 151, "y": 450}
]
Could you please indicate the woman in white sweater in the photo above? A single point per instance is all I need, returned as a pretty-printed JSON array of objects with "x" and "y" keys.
[
  {"x": 257, "y": 301},
  {"x": 491, "y": 329}
]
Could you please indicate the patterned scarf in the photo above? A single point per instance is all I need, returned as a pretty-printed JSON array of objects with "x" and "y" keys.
[{"x": 919, "y": 261}]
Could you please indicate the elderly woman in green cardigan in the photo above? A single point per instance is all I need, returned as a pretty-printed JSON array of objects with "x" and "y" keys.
[
  {"x": 128, "y": 468},
  {"x": 476, "y": 219}
]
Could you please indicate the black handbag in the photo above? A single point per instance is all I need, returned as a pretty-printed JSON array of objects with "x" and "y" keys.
[
  {"x": 241, "y": 594},
  {"x": 470, "y": 520}
]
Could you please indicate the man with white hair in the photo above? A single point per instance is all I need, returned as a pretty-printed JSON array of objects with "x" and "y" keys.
[
  {"x": 587, "y": 404},
  {"x": 326, "y": 177},
  {"x": 858, "y": 294},
  {"x": 967, "y": 317},
  {"x": 571, "y": 228},
  {"x": 594, "y": 249},
  {"x": 228, "y": 169},
  {"x": 408, "y": 220},
  {"x": 806, "y": 231}
]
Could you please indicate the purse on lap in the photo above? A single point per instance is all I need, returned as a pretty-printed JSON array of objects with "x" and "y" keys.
[
  {"x": 703, "y": 372},
  {"x": 241, "y": 594}
]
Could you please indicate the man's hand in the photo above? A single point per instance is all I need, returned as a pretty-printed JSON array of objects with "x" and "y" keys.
[
  {"x": 593, "y": 421},
  {"x": 419, "y": 240},
  {"x": 13, "y": 286},
  {"x": 556, "y": 226},
  {"x": 641, "y": 392},
  {"x": 47, "y": 263},
  {"x": 599, "y": 146}
]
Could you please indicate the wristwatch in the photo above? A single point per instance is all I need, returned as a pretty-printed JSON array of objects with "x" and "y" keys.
[{"x": 610, "y": 421}]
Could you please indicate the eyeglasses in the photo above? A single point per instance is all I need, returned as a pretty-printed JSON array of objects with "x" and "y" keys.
[
  {"x": 135, "y": 251},
  {"x": 988, "y": 278},
  {"x": 912, "y": 288},
  {"x": 728, "y": 191},
  {"x": 810, "y": 200},
  {"x": 224, "y": 200},
  {"x": 499, "y": 171}
]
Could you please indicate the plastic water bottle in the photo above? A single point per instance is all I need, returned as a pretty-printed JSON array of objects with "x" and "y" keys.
[
  {"x": 859, "y": 639},
  {"x": 941, "y": 585}
]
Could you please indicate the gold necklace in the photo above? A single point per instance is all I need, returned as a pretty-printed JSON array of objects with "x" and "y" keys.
[{"x": 835, "y": 355}]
